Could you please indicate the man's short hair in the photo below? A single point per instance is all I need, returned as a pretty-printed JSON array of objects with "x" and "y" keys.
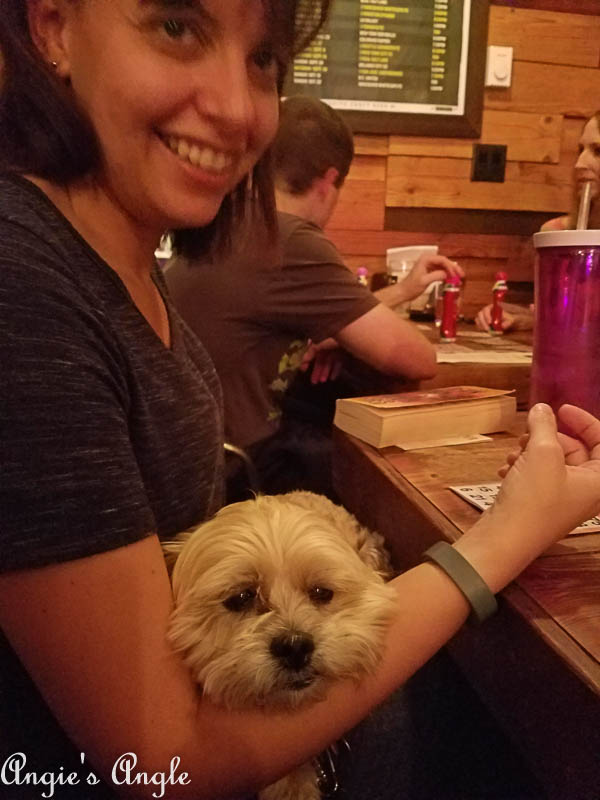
[{"x": 312, "y": 137}]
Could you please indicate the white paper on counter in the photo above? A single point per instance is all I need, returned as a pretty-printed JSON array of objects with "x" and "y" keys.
[
  {"x": 476, "y": 335},
  {"x": 447, "y": 442},
  {"x": 483, "y": 495},
  {"x": 483, "y": 357}
]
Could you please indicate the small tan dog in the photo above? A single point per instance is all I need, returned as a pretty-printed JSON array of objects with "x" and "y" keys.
[{"x": 275, "y": 598}]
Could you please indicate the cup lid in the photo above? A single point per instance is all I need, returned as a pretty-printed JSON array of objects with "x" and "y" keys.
[
  {"x": 452, "y": 280},
  {"x": 584, "y": 238}
]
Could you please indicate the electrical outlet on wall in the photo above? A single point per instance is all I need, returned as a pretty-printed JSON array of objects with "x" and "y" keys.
[{"x": 489, "y": 162}]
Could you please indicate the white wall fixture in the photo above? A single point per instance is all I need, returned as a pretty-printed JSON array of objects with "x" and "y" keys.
[{"x": 498, "y": 71}]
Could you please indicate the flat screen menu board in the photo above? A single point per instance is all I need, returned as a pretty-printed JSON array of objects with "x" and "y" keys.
[{"x": 399, "y": 67}]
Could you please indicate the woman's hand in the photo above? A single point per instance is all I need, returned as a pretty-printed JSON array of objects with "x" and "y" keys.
[
  {"x": 560, "y": 472},
  {"x": 427, "y": 270},
  {"x": 551, "y": 485}
]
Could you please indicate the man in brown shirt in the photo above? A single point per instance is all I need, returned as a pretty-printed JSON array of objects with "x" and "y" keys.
[{"x": 256, "y": 313}]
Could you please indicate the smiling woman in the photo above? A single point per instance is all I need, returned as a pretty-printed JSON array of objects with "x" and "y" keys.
[
  {"x": 47, "y": 130},
  {"x": 120, "y": 119}
]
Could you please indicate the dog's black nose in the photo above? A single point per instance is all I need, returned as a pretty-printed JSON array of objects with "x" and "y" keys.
[{"x": 293, "y": 649}]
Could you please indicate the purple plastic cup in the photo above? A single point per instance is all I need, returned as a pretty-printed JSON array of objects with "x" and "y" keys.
[{"x": 566, "y": 346}]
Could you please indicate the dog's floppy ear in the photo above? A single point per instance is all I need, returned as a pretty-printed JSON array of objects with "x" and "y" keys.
[
  {"x": 172, "y": 548},
  {"x": 369, "y": 545},
  {"x": 372, "y": 549}
]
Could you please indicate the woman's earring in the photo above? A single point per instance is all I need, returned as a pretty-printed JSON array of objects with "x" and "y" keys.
[{"x": 54, "y": 64}]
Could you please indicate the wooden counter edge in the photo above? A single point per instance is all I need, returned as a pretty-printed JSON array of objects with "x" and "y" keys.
[{"x": 430, "y": 525}]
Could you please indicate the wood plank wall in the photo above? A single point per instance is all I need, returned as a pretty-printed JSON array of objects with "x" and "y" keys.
[{"x": 405, "y": 190}]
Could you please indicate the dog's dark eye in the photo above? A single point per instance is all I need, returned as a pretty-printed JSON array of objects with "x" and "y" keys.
[
  {"x": 320, "y": 595},
  {"x": 241, "y": 601}
]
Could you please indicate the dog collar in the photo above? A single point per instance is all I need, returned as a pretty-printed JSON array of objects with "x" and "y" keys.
[{"x": 325, "y": 767}]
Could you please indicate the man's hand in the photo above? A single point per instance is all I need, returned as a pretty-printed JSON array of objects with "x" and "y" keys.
[
  {"x": 326, "y": 358},
  {"x": 520, "y": 319},
  {"x": 427, "y": 270},
  {"x": 483, "y": 320}
]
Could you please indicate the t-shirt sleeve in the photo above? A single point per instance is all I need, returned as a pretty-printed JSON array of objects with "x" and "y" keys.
[
  {"x": 70, "y": 485},
  {"x": 314, "y": 294}
]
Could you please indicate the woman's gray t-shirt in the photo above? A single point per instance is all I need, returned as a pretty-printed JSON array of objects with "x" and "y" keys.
[{"x": 107, "y": 435}]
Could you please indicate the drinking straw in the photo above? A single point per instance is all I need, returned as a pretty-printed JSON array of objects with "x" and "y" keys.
[{"x": 583, "y": 213}]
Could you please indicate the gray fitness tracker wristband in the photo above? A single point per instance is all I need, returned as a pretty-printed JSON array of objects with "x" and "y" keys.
[{"x": 469, "y": 581}]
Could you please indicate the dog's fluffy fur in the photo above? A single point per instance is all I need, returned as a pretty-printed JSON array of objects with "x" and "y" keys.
[{"x": 275, "y": 598}]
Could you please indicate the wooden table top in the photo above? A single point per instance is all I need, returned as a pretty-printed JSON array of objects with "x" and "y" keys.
[
  {"x": 494, "y": 376},
  {"x": 543, "y": 649},
  {"x": 565, "y": 581}
]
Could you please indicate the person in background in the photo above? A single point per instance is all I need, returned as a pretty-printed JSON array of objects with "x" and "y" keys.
[
  {"x": 256, "y": 313},
  {"x": 120, "y": 120},
  {"x": 514, "y": 317},
  {"x": 586, "y": 170}
]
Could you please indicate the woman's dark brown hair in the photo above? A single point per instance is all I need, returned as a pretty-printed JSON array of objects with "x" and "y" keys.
[{"x": 43, "y": 133}]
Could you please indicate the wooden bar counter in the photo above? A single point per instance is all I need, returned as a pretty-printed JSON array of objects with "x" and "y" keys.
[
  {"x": 492, "y": 375},
  {"x": 536, "y": 664}
]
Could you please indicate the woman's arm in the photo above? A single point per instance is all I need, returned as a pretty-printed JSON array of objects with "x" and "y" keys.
[{"x": 92, "y": 633}]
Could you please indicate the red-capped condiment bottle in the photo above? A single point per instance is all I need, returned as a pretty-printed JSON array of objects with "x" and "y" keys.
[
  {"x": 362, "y": 276},
  {"x": 450, "y": 295},
  {"x": 498, "y": 293}
]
